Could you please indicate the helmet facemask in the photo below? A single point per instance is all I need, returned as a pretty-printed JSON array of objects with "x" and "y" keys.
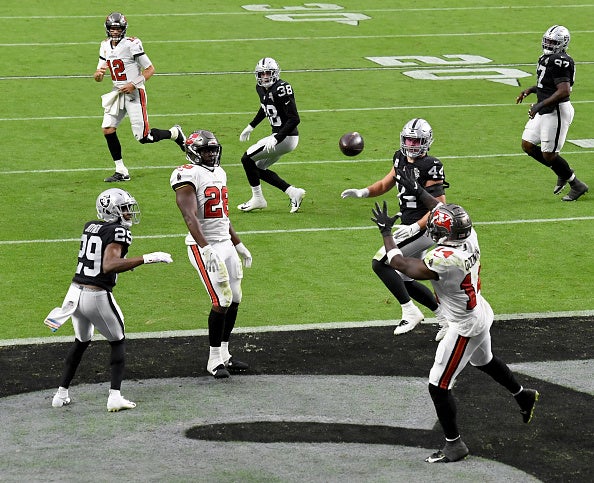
[{"x": 117, "y": 205}]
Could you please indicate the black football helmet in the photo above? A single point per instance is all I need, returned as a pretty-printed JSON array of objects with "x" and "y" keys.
[
  {"x": 116, "y": 19},
  {"x": 203, "y": 148},
  {"x": 449, "y": 224}
]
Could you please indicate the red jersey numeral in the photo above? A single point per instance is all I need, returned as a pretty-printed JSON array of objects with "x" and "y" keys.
[
  {"x": 217, "y": 202},
  {"x": 117, "y": 69}
]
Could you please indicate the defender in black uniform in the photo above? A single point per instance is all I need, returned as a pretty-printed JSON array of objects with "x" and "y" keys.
[
  {"x": 410, "y": 161},
  {"x": 552, "y": 115},
  {"x": 277, "y": 103},
  {"x": 103, "y": 247}
]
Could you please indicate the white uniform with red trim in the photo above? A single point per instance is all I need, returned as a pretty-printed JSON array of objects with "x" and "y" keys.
[
  {"x": 224, "y": 286},
  {"x": 125, "y": 63},
  {"x": 469, "y": 315}
]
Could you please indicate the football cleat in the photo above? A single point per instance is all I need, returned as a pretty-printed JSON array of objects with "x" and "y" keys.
[
  {"x": 219, "y": 372},
  {"x": 116, "y": 402},
  {"x": 527, "y": 401},
  {"x": 296, "y": 195},
  {"x": 115, "y": 177},
  {"x": 578, "y": 188},
  {"x": 60, "y": 399},
  {"x": 180, "y": 137},
  {"x": 561, "y": 182},
  {"x": 253, "y": 204},
  {"x": 234, "y": 364},
  {"x": 451, "y": 452},
  {"x": 410, "y": 319}
]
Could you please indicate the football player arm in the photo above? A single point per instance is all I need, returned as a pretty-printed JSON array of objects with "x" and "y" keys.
[
  {"x": 114, "y": 263},
  {"x": 525, "y": 93},
  {"x": 383, "y": 185},
  {"x": 185, "y": 197},
  {"x": 563, "y": 91},
  {"x": 413, "y": 267},
  {"x": 258, "y": 118},
  {"x": 292, "y": 121}
]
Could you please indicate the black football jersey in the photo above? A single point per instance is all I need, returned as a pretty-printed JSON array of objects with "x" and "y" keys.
[
  {"x": 278, "y": 105},
  {"x": 551, "y": 70},
  {"x": 96, "y": 236},
  {"x": 425, "y": 169}
]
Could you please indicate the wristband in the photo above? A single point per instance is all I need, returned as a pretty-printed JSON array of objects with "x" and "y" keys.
[
  {"x": 138, "y": 80},
  {"x": 392, "y": 253}
]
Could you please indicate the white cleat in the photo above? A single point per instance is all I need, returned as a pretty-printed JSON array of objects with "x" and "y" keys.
[
  {"x": 116, "y": 402},
  {"x": 60, "y": 399},
  {"x": 253, "y": 204},
  {"x": 411, "y": 317},
  {"x": 297, "y": 195}
]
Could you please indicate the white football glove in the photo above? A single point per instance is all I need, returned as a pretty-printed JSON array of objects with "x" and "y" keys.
[
  {"x": 245, "y": 134},
  {"x": 244, "y": 254},
  {"x": 403, "y": 232},
  {"x": 212, "y": 261},
  {"x": 269, "y": 143},
  {"x": 355, "y": 193},
  {"x": 157, "y": 257}
]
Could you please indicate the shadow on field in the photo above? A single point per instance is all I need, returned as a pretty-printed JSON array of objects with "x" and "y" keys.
[{"x": 556, "y": 446}]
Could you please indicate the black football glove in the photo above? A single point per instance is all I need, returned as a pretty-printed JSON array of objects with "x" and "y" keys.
[
  {"x": 406, "y": 178},
  {"x": 384, "y": 221}
]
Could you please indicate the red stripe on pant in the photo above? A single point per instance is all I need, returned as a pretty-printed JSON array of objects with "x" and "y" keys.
[
  {"x": 147, "y": 129},
  {"x": 453, "y": 362},
  {"x": 205, "y": 277}
]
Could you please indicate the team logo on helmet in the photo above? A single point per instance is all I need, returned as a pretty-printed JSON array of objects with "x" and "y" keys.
[{"x": 442, "y": 219}]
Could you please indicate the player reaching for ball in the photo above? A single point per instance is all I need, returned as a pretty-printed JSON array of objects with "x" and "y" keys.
[
  {"x": 277, "y": 103},
  {"x": 411, "y": 236},
  {"x": 453, "y": 267}
]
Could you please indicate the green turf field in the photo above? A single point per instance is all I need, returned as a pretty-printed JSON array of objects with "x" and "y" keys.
[{"x": 313, "y": 266}]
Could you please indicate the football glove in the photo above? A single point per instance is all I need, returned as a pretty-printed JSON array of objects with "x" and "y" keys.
[
  {"x": 383, "y": 221},
  {"x": 355, "y": 193},
  {"x": 269, "y": 143},
  {"x": 244, "y": 254},
  {"x": 245, "y": 134},
  {"x": 157, "y": 257},
  {"x": 211, "y": 259},
  {"x": 406, "y": 231}
]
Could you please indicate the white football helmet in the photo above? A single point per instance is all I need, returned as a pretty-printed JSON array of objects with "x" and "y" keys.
[
  {"x": 267, "y": 72},
  {"x": 115, "y": 204},
  {"x": 555, "y": 40},
  {"x": 420, "y": 130}
]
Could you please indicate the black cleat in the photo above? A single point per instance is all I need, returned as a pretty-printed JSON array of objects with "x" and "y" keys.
[
  {"x": 452, "y": 451},
  {"x": 234, "y": 364},
  {"x": 527, "y": 401},
  {"x": 578, "y": 188},
  {"x": 115, "y": 177},
  {"x": 180, "y": 140},
  {"x": 220, "y": 372}
]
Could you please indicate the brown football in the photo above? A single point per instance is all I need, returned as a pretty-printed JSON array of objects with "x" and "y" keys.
[{"x": 351, "y": 143}]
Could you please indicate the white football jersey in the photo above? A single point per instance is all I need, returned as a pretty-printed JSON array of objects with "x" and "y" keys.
[
  {"x": 212, "y": 198},
  {"x": 458, "y": 288},
  {"x": 125, "y": 61}
]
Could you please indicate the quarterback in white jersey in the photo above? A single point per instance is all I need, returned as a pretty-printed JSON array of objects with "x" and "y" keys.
[
  {"x": 214, "y": 248},
  {"x": 129, "y": 68},
  {"x": 453, "y": 268}
]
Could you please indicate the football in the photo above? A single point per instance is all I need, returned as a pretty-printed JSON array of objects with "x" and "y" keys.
[{"x": 351, "y": 143}]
